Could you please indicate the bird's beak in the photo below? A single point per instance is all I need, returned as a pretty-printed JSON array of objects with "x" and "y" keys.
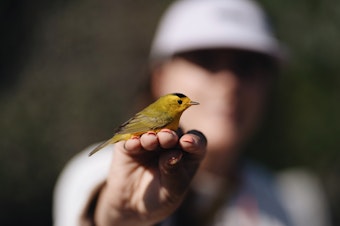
[{"x": 194, "y": 103}]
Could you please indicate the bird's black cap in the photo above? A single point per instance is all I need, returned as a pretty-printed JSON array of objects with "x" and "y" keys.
[{"x": 180, "y": 95}]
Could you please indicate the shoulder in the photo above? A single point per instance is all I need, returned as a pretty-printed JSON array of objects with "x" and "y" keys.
[
  {"x": 294, "y": 196},
  {"x": 303, "y": 196},
  {"x": 77, "y": 184}
]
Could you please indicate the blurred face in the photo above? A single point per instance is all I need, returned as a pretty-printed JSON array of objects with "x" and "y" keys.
[{"x": 231, "y": 87}]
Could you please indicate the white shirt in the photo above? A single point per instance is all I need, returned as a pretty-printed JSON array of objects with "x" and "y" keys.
[{"x": 293, "y": 198}]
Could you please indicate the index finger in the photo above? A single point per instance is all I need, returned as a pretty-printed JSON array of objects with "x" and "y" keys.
[
  {"x": 188, "y": 154},
  {"x": 194, "y": 142}
]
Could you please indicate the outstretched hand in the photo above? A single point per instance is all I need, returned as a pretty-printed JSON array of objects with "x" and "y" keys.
[{"x": 149, "y": 177}]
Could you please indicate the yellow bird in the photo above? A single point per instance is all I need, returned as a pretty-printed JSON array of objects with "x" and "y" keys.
[{"x": 163, "y": 113}]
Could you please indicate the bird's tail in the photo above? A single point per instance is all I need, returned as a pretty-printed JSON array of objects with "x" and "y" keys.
[
  {"x": 114, "y": 139},
  {"x": 100, "y": 146}
]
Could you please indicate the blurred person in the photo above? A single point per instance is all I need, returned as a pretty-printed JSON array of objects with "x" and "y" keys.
[{"x": 223, "y": 54}]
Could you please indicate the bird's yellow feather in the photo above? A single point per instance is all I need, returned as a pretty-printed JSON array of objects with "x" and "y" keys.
[{"x": 163, "y": 113}]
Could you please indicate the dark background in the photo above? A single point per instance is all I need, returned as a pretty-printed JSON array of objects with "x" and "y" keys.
[{"x": 70, "y": 72}]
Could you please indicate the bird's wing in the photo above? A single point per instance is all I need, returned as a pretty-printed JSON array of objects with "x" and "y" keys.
[{"x": 142, "y": 123}]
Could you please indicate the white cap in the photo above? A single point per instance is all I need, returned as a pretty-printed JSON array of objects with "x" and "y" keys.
[{"x": 204, "y": 24}]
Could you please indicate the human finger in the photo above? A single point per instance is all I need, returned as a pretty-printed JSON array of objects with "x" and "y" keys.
[
  {"x": 149, "y": 141},
  {"x": 167, "y": 138},
  {"x": 194, "y": 142}
]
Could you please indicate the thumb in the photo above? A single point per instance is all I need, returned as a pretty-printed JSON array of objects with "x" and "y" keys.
[{"x": 178, "y": 166}]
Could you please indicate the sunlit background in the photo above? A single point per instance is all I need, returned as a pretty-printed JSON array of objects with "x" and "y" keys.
[{"x": 71, "y": 70}]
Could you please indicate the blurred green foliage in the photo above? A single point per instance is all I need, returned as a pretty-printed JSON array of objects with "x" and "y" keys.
[{"x": 70, "y": 72}]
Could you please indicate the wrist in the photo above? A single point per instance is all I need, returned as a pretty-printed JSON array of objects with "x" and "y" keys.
[{"x": 106, "y": 214}]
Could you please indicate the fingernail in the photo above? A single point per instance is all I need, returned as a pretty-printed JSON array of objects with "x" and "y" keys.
[
  {"x": 174, "y": 160},
  {"x": 135, "y": 137},
  {"x": 169, "y": 131},
  {"x": 202, "y": 138},
  {"x": 189, "y": 140},
  {"x": 151, "y": 133}
]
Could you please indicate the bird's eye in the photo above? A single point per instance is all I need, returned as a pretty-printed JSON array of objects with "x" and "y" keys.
[{"x": 180, "y": 101}]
